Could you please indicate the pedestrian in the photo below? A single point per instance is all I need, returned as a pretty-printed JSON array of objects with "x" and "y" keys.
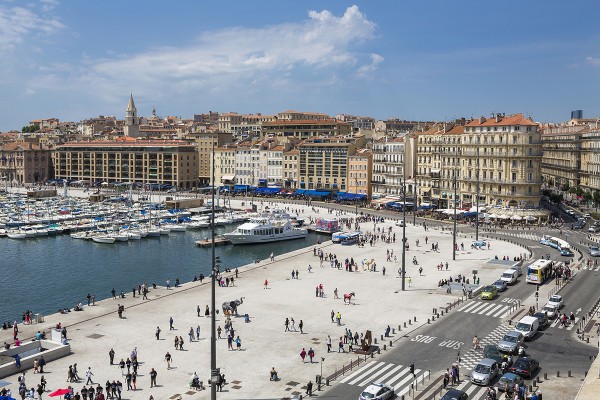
[
  {"x": 198, "y": 310},
  {"x": 287, "y": 323},
  {"x": 207, "y": 311},
  {"x": 383, "y": 270},
  {"x": 338, "y": 317},
  {"x": 157, "y": 333},
  {"x": 309, "y": 387},
  {"x": 303, "y": 355},
  {"x": 219, "y": 330},
  {"x": 476, "y": 343},
  {"x": 191, "y": 334},
  {"x": 88, "y": 375},
  {"x": 335, "y": 292},
  {"x": 111, "y": 356},
  {"x": 409, "y": 281},
  {"x": 292, "y": 325},
  {"x": 272, "y": 257},
  {"x": 328, "y": 343},
  {"x": 266, "y": 283},
  {"x": 300, "y": 326},
  {"x": 238, "y": 343},
  {"x": 420, "y": 271},
  {"x": 128, "y": 378},
  {"x": 171, "y": 324},
  {"x": 18, "y": 361},
  {"x": 153, "y": 375},
  {"x": 176, "y": 342},
  {"x": 134, "y": 380},
  {"x": 311, "y": 354},
  {"x": 42, "y": 363},
  {"x": 168, "y": 359},
  {"x": 332, "y": 315},
  {"x": 341, "y": 346},
  {"x": 180, "y": 343},
  {"x": 198, "y": 332}
]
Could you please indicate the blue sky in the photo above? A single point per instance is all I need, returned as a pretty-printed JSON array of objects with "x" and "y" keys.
[{"x": 428, "y": 60}]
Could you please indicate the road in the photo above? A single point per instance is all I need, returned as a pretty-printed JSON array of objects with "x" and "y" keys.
[{"x": 435, "y": 347}]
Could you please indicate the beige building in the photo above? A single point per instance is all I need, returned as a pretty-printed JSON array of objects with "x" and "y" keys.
[
  {"x": 24, "y": 163},
  {"x": 561, "y": 164},
  {"x": 323, "y": 162},
  {"x": 590, "y": 161},
  {"x": 360, "y": 168},
  {"x": 225, "y": 164},
  {"x": 205, "y": 141},
  {"x": 503, "y": 154},
  {"x": 388, "y": 165},
  {"x": 283, "y": 130},
  {"x": 128, "y": 160},
  {"x": 290, "y": 169}
]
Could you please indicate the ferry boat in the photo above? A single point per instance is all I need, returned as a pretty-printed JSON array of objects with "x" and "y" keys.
[{"x": 265, "y": 230}]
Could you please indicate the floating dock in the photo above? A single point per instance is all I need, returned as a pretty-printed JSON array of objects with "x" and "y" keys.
[{"x": 219, "y": 241}]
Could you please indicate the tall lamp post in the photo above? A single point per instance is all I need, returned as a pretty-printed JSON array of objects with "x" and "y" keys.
[
  {"x": 403, "y": 231},
  {"x": 213, "y": 319},
  {"x": 477, "y": 198},
  {"x": 454, "y": 233}
]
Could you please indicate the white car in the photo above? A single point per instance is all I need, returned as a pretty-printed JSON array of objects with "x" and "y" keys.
[
  {"x": 400, "y": 223},
  {"x": 377, "y": 391},
  {"x": 550, "y": 310},
  {"x": 555, "y": 300}
]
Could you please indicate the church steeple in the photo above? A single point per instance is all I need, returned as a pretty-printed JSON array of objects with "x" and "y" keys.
[{"x": 132, "y": 122}]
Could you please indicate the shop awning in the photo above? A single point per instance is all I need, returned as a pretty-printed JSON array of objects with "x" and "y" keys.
[
  {"x": 267, "y": 190},
  {"x": 228, "y": 178}
]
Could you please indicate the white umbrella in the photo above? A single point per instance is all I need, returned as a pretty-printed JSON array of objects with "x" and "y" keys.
[
  {"x": 530, "y": 218},
  {"x": 516, "y": 218},
  {"x": 503, "y": 217},
  {"x": 494, "y": 216}
]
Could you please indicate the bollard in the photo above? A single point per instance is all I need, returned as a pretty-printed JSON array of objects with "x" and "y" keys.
[
  {"x": 545, "y": 376},
  {"x": 587, "y": 339},
  {"x": 405, "y": 325},
  {"x": 376, "y": 340},
  {"x": 569, "y": 374},
  {"x": 433, "y": 318},
  {"x": 399, "y": 328},
  {"x": 530, "y": 388},
  {"x": 381, "y": 338},
  {"x": 410, "y": 322},
  {"x": 442, "y": 313},
  {"x": 537, "y": 378},
  {"x": 384, "y": 347},
  {"x": 415, "y": 319},
  {"x": 428, "y": 321},
  {"x": 394, "y": 331},
  {"x": 558, "y": 374},
  {"x": 326, "y": 382},
  {"x": 378, "y": 351},
  {"x": 437, "y": 316},
  {"x": 391, "y": 343}
]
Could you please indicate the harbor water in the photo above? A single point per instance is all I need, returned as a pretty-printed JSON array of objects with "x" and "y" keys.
[{"x": 46, "y": 274}]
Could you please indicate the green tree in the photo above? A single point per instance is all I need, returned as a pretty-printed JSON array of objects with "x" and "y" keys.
[{"x": 597, "y": 197}]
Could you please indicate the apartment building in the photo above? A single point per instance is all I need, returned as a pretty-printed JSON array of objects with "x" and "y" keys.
[
  {"x": 128, "y": 159},
  {"x": 562, "y": 149},
  {"x": 501, "y": 156},
  {"x": 225, "y": 167},
  {"x": 388, "y": 165},
  {"x": 275, "y": 165},
  {"x": 323, "y": 161},
  {"x": 290, "y": 168},
  {"x": 590, "y": 160},
  {"x": 24, "y": 163},
  {"x": 282, "y": 130},
  {"x": 205, "y": 142},
  {"x": 245, "y": 166},
  {"x": 360, "y": 172}
]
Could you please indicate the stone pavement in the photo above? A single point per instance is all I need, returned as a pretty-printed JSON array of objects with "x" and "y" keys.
[{"x": 379, "y": 301}]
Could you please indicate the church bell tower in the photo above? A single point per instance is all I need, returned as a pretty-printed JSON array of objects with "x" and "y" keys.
[{"x": 132, "y": 122}]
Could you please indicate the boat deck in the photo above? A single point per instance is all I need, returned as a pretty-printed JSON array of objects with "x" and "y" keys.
[{"x": 219, "y": 241}]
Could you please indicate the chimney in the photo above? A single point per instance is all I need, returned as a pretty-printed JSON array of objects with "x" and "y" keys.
[
  {"x": 482, "y": 119},
  {"x": 498, "y": 117}
]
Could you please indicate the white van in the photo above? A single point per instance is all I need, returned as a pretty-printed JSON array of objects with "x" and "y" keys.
[
  {"x": 510, "y": 276},
  {"x": 528, "y": 326}
]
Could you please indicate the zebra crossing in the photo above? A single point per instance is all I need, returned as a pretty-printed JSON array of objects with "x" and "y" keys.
[
  {"x": 523, "y": 235},
  {"x": 497, "y": 310},
  {"x": 595, "y": 268},
  {"x": 474, "y": 392},
  {"x": 395, "y": 375},
  {"x": 469, "y": 359},
  {"x": 556, "y": 324}
]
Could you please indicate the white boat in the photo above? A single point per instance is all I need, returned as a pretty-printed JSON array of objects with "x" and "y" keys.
[
  {"x": 29, "y": 231},
  {"x": 103, "y": 239},
  {"x": 120, "y": 237},
  {"x": 164, "y": 230},
  {"x": 198, "y": 224},
  {"x": 153, "y": 232},
  {"x": 178, "y": 227},
  {"x": 265, "y": 230},
  {"x": 132, "y": 235},
  {"x": 82, "y": 235},
  {"x": 16, "y": 234}
]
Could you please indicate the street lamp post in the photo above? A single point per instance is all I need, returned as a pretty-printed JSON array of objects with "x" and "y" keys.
[
  {"x": 454, "y": 233},
  {"x": 403, "y": 231},
  {"x": 477, "y": 198},
  {"x": 213, "y": 319}
]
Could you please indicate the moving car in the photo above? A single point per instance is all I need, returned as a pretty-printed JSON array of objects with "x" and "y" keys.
[
  {"x": 491, "y": 351},
  {"x": 510, "y": 342},
  {"x": 455, "y": 394},
  {"x": 510, "y": 276},
  {"x": 566, "y": 253},
  {"x": 550, "y": 310},
  {"x": 377, "y": 391},
  {"x": 508, "y": 380},
  {"x": 556, "y": 300},
  {"x": 500, "y": 285},
  {"x": 525, "y": 367},
  {"x": 594, "y": 251},
  {"x": 528, "y": 326},
  {"x": 485, "y": 371},
  {"x": 542, "y": 319},
  {"x": 594, "y": 229},
  {"x": 489, "y": 292}
]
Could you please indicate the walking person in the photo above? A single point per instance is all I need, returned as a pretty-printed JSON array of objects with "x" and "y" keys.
[
  {"x": 287, "y": 324},
  {"x": 303, "y": 355},
  {"x": 111, "y": 356},
  {"x": 301, "y": 326},
  {"x": 311, "y": 354},
  {"x": 157, "y": 333},
  {"x": 153, "y": 375},
  {"x": 88, "y": 375},
  {"x": 309, "y": 387},
  {"x": 198, "y": 332},
  {"x": 168, "y": 359},
  {"x": 328, "y": 343},
  {"x": 171, "y": 328}
]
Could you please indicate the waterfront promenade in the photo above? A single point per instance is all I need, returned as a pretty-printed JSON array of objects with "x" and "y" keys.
[{"x": 264, "y": 343}]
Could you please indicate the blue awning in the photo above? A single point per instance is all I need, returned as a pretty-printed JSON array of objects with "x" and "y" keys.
[
  {"x": 350, "y": 196},
  {"x": 316, "y": 193},
  {"x": 262, "y": 181},
  {"x": 267, "y": 190},
  {"x": 299, "y": 192}
]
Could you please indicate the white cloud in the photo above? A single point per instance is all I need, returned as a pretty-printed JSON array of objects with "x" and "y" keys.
[
  {"x": 239, "y": 56},
  {"x": 593, "y": 61},
  {"x": 19, "y": 23},
  {"x": 376, "y": 59}
]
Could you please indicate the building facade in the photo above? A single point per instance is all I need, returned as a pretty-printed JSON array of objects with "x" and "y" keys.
[
  {"x": 561, "y": 164},
  {"x": 282, "y": 130},
  {"x": 205, "y": 142},
  {"x": 590, "y": 161},
  {"x": 501, "y": 159},
  {"x": 388, "y": 165},
  {"x": 290, "y": 169},
  {"x": 24, "y": 163},
  {"x": 128, "y": 160},
  {"x": 131, "y": 127},
  {"x": 360, "y": 169}
]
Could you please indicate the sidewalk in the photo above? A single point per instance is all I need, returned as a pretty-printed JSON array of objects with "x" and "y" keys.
[{"x": 379, "y": 301}]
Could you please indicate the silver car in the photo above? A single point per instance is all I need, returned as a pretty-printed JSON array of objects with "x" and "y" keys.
[
  {"x": 485, "y": 372},
  {"x": 594, "y": 251},
  {"x": 510, "y": 342}
]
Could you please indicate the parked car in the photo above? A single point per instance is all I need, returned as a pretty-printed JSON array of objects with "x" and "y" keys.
[
  {"x": 594, "y": 251},
  {"x": 556, "y": 300},
  {"x": 485, "y": 371},
  {"x": 525, "y": 367},
  {"x": 500, "y": 285},
  {"x": 508, "y": 381},
  {"x": 377, "y": 391},
  {"x": 510, "y": 342},
  {"x": 542, "y": 319},
  {"x": 455, "y": 394},
  {"x": 489, "y": 292}
]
